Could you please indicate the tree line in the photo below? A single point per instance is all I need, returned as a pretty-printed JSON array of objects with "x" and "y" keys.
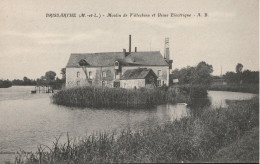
[
  {"x": 242, "y": 77},
  {"x": 49, "y": 79},
  {"x": 193, "y": 75}
]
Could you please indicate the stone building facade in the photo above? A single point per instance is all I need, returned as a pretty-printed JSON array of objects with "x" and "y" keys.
[{"x": 107, "y": 69}]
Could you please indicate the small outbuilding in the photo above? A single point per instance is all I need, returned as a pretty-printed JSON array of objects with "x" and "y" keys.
[{"x": 138, "y": 78}]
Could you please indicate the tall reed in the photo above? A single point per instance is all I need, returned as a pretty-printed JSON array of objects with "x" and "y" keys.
[
  {"x": 191, "y": 139},
  {"x": 117, "y": 97}
]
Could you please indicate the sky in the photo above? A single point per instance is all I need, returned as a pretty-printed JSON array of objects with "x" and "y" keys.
[{"x": 32, "y": 44}]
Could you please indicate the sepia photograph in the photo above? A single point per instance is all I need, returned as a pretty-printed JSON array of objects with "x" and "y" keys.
[{"x": 97, "y": 81}]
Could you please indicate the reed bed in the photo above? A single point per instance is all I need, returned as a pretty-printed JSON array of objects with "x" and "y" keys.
[
  {"x": 190, "y": 139},
  {"x": 118, "y": 97}
]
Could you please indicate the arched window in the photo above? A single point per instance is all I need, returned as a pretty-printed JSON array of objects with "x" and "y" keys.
[{"x": 78, "y": 74}]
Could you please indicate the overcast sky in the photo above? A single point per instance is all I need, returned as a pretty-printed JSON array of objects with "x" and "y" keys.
[{"x": 31, "y": 43}]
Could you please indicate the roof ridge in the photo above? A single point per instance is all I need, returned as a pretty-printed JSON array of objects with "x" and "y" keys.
[
  {"x": 94, "y": 53},
  {"x": 109, "y": 52}
]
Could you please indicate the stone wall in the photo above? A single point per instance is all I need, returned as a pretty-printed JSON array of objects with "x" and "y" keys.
[
  {"x": 73, "y": 80},
  {"x": 130, "y": 84}
]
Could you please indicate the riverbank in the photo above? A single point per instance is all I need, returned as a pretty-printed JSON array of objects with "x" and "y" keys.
[
  {"x": 119, "y": 97},
  {"x": 245, "y": 88},
  {"x": 201, "y": 138}
]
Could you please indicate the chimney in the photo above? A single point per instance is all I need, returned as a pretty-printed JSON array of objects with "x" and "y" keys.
[
  {"x": 167, "y": 54},
  {"x": 135, "y": 49},
  {"x": 124, "y": 52},
  {"x": 129, "y": 43}
]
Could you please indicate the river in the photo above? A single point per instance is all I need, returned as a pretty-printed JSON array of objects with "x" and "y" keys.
[{"x": 28, "y": 120}]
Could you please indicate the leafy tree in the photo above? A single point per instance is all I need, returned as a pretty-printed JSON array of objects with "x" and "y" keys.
[
  {"x": 63, "y": 73},
  {"x": 201, "y": 74},
  {"x": 50, "y": 76},
  {"x": 239, "y": 68},
  {"x": 231, "y": 77}
]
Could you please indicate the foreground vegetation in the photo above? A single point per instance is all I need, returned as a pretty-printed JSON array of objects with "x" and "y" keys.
[
  {"x": 246, "y": 88},
  {"x": 128, "y": 98},
  {"x": 217, "y": 135}
]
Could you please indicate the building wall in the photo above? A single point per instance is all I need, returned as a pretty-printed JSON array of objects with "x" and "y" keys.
[
  {"x": 132, "y": 83},
  {"x": 108, "y": 81},
  {"x": 97, "y": 76},
  {"x": 164, "y": 69}
]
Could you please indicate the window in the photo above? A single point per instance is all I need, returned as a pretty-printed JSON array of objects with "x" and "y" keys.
[
  {"x": 103, "y": 74},
  {"x": 90, "y": 75},
  {"x": 117, "y": 75},
  {"x": 78, "y": 74},
  {"x": 159, "y": 73},
  {"x": 116, "y": 84},
  {"x": 158, "y": 83}
]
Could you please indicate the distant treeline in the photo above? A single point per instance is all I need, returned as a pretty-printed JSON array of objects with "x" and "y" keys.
[
  {"x": 239, "y": 81},
  {"x": 245, "y": 77},
  {"x": 49, "y": 79},
  {"x": 5, "y": 83}
]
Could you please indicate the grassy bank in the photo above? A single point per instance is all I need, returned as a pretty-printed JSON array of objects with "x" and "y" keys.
[
  {"x": 246, "y": 88},
  {"x": 119, "y": 97},
  {"x": 214, "y": 136}
]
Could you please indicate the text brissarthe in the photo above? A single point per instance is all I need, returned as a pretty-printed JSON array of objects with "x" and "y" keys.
[{"x": 64, "y": 15}]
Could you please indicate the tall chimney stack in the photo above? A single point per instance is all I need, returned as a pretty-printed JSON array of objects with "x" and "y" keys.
[
  {"x": 124, "y": 52},
  {"x": 129, "y": 43},
  {"x": 135, "y": 49}
]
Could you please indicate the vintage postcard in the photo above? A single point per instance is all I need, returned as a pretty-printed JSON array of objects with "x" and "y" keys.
[{"x": 163, "y": 81}]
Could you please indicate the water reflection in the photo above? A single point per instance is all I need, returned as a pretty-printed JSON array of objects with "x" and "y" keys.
[
  {"x": 218, "y": 98},
  {"x": 198, "y": 106},
  {"x": 28, "y": 120}
]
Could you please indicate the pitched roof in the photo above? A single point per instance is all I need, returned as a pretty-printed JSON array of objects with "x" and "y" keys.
[
  {"x": 151, "y": 58},
  {"x": 139, "y": 73}
]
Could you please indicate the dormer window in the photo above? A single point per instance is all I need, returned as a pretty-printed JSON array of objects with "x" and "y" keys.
[
  {"x": 116, "y": 65},
  {"x": 83, "y": 62}
]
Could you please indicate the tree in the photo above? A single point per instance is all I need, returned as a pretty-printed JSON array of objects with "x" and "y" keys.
[
  {"x": 239, "y": 68},
  {"x": 50, "y": 76},
  {"x": 63, "y": 73},
  {"x": 231, "y": 77},
  {"x": 202, "y": 74},
  {"x": 199, "y": 75}
]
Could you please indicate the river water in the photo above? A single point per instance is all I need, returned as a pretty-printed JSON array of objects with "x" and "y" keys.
[{"x": 28, "y": 120}]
